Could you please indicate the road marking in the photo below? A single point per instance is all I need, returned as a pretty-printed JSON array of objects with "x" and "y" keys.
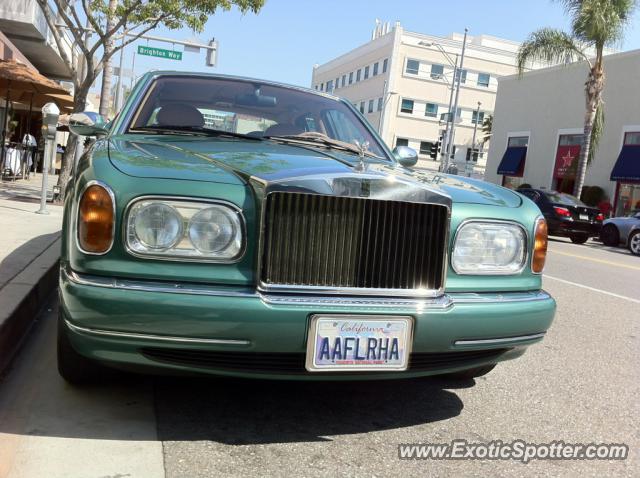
[
  {"x": 601, "y": 261},
  {"x": 630, "y": 299}
]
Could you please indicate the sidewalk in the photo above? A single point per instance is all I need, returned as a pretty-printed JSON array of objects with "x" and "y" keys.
[{"x": 29, "y": 252}]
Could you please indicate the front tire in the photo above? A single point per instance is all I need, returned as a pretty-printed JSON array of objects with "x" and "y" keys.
[
  {"x": 634, "y": 243},
  {"x": 579, "y": 238},
  {"x": 610, "y": 235},
  {"x": 471, "y": 372},
  {"x": 73, "y": 367}
]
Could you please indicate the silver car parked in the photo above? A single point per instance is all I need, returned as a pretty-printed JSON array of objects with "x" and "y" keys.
[{"x": 622, "y": 230}]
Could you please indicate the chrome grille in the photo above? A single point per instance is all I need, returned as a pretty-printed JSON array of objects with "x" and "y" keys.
[{"x": 321, "y": 241}]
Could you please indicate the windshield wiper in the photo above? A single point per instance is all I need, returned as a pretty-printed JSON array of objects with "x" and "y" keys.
[
  {"x": 321, "y": 139},
  {"x": 168, "y": 129}
]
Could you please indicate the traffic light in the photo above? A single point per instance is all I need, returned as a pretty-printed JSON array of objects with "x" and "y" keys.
[{"x": 435, "y": 149}]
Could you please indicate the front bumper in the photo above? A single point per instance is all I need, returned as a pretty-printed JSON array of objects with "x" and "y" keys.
[{"x": 237, "y": 331}]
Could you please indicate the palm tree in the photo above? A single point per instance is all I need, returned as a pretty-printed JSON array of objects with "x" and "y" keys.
[
  {"x": 487, "y": 127},
  {"x": 595, "y": 24}
]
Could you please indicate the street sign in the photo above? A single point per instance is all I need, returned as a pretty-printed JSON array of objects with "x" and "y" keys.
[{"x": 159, "y": 52}]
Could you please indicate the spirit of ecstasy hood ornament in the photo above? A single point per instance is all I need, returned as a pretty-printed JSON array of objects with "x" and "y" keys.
[{"x": 363, "y": 147}]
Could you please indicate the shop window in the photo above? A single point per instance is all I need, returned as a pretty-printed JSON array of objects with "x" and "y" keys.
[
  {"x": 402, "y": 142},
  {"x": 566, "y": 166}
]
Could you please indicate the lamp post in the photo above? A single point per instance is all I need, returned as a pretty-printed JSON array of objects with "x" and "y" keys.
[
  {"x": 387, "y": 96},
  {"x": 50, "y": 115}
]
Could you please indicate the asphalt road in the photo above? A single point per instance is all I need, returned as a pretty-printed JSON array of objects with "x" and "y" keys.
[{"x": 580, "y": 385}]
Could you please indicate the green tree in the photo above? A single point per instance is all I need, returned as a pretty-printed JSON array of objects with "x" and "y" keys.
[
  {"x": 106, "y": 20},
  {"x": 487, "y": 127},
  {"x": 595, "y": 24}
]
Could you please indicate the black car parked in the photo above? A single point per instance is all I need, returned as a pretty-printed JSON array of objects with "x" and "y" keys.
[{"x": 566, "y": 215}]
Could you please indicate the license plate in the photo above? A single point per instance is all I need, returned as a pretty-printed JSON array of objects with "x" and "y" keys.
[
  {"x": 584, "y": 217},
  {"x": 359, "y": 343}
]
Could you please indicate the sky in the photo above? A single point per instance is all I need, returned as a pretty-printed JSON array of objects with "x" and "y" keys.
[{"x": 287, "y": 37}]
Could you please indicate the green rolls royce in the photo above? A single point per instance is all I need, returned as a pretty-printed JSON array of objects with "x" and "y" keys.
[{"x": 243, "y": 227}]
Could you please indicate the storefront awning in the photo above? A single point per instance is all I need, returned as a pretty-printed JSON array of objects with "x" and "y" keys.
[
  {"x": 627, "y": 167},
  {"x": 512, "y": 161}
]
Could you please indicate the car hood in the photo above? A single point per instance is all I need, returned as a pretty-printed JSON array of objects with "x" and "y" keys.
[{"x": 231, "y": 161}]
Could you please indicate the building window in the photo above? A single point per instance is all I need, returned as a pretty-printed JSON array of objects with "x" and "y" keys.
[
  {"x": 484, "y": 79},
  {"x": 380, "y": 103},
  {"x": 406, "y": 106},
  {"x": 402, "y": 142},
  {"x": 330, "y": 86},
  {"x": 463, "y": 76},
  {"x": 632, "y": 139},
  {"x": 366, "y": 72},
  {"x": 344, "y": 80},
  {"x": 362, "y": 107},
  {"x": 370, "y": 110},
  {"x": 431, "y": 110},
  {"x": 472, "y": 154},
  {"x": 321, "y": 86},
  {"x": 413, "y": 66},
  {"x": 351, "y": 77},
  {"x": 375, "y": 68},
  {"x": 385, "y": 64},
  {"x": 437, "y": 71},
  {"x": 358, "y": 75},
  {"x": 518, "y": 141},
  {"x": 477, "y": 117}
]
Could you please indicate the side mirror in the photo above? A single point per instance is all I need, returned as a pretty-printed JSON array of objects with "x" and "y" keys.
[
  {"x": 405, "y": 155},
  {"x": 88, "y": 123}
]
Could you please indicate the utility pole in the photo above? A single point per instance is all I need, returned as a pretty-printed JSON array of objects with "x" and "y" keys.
[
  {"x": 457, "y": 79},
  {"x": 445, "y": 139},
  {"x": 107, "y": 71},
  {"x": 118, "y": 102}
]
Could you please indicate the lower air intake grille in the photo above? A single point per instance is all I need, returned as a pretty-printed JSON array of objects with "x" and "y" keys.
[{"x": 294, "y": 363}]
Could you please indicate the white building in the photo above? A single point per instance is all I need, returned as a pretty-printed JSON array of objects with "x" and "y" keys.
[
  {"x": 538, "y": 125},
  {"x": 401, "y": 82}
]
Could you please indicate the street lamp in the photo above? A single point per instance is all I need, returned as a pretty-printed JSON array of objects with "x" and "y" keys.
[{"x": 473, "y": 140}]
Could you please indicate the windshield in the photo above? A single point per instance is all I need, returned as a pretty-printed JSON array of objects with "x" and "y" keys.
[
  {"x": 563, "y": 198},
  {"x": 251, "y": 109}
]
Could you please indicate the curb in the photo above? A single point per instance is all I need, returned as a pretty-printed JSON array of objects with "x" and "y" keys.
[{"x": 22, "y": 298}]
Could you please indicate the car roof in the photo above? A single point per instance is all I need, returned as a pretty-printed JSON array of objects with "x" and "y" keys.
[{"x": 196, "y": 74}]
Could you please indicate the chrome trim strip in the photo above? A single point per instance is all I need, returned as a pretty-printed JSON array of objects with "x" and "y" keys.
[
  {"x": 106, "y": 187},
  {"x": 525, "y": 258},
  {"x": 128, "y": 335},
  {"x": 442, "y": 302},
  {"x": 503, "y": 340}
]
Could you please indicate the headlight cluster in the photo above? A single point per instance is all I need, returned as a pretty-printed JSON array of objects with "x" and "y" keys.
[
  {"x": 183, "y": 229},
  {"x": 489, "y": 248}
]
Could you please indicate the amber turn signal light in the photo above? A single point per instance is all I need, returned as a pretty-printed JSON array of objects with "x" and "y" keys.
[
  {"x": 539, "y": 246},
  {"x": 96, "y": 219}
]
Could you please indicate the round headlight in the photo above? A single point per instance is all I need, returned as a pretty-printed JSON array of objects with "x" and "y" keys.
[
  {"x": 213, "y": 229},
  {"x": 158, "y": 226}
]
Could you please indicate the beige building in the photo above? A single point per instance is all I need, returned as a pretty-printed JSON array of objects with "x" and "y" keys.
[
  {"x": 401, "y": 81},
  {"x": 538, "y": 124}
]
